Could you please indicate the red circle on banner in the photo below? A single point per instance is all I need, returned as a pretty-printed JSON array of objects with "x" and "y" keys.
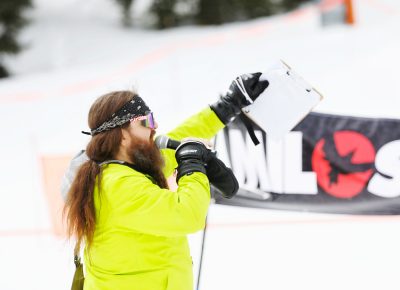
[{"x": 349, "y": 144}]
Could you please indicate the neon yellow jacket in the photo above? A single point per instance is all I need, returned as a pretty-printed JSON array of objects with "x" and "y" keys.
[{"x": 140, "y": 237}]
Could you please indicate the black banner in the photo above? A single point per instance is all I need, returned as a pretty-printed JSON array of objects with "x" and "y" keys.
[{"x": 328, "y": 163}]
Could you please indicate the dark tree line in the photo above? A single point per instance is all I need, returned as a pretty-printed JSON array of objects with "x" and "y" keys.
[
  {"x": 210, "y": 12},
  {"x": 126, "y": 11},
  {"x": 234, "y": 10},
  {"x": 11, "y": 21},
  {"x": 167, "y": 13}
]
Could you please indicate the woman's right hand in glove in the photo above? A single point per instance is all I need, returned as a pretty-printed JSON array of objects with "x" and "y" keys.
[{"x": 192, "y": 157}]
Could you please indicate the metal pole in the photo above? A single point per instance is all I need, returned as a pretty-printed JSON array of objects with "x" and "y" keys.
[{"x": 201, "y": 255}]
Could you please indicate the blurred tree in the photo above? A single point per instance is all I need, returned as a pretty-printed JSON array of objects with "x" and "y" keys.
[
  {"x": 126, "y": 12},
  {"x": 292, "y": 4},
  {"x": 165, "y": 13},
  {"x": 222, "y": 11},
  {"x": 11, "y": 21},
  {"x": 257, "y": 8},
  {"x": 214, "y": 12}
]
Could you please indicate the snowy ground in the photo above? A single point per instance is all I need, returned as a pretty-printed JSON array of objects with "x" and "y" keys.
[{"x": 78, "y": 52}]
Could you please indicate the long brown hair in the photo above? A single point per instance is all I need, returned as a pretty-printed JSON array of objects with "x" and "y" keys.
[{"x": 79, "y": 206}]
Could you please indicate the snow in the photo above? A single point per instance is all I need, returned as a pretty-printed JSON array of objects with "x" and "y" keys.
[{"x": 77, "y": 51}]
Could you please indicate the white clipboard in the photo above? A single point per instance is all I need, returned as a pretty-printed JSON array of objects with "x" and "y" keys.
[{"x": 284, "y": 103}]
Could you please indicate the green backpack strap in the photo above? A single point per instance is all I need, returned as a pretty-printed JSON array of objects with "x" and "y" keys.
[{"x": 79, "y": 278}]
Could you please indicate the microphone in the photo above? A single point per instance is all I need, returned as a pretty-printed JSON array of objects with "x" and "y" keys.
[
  {"x": 220, "y": 176},
  {"x": 163, "y": 142}
]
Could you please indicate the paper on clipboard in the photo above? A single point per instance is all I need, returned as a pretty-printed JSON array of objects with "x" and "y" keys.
[{"x": 284, "y": 103}]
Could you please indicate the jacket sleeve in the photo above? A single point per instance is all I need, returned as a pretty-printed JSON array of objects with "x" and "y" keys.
[
  {"x": 142, "y": 206},
  {"x": 204, "y": 124}
]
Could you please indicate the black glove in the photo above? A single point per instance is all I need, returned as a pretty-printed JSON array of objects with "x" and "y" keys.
[
  {"x": 230, "y": 105},
  {"x": 192, "y": 157},
  {"x": 221, "y": 177}
]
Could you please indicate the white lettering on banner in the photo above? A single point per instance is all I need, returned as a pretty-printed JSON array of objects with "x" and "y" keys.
[
  {"x": 296, "y": 180},
  {"x": 249, "y": 166},
  {"x": 279, "y": 171},
  {"x": 387, "y": 162},
  {"x": 275, "y": 165},
  {"x": 222, "y": 152}
]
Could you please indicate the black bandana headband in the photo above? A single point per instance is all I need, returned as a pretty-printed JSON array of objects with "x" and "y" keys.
[{"x": 132, "y": 109}]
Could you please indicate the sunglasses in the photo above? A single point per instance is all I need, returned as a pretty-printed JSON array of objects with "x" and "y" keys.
[{"x": 146, "y": 120}]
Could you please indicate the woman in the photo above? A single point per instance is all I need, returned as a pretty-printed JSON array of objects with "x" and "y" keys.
[{"x": 134, "y": 228}]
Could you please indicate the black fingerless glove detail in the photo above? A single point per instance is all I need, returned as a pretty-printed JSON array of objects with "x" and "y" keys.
[
  {"x": 191, "y": 157},
  {"x": 231, "y": 104}
]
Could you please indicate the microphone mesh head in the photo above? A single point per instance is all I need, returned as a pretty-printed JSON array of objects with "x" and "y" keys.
[{"x": 161, "y": 141}]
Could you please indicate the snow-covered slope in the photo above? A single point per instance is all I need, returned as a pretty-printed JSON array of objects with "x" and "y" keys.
[{"x": 77, "y": 51}]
